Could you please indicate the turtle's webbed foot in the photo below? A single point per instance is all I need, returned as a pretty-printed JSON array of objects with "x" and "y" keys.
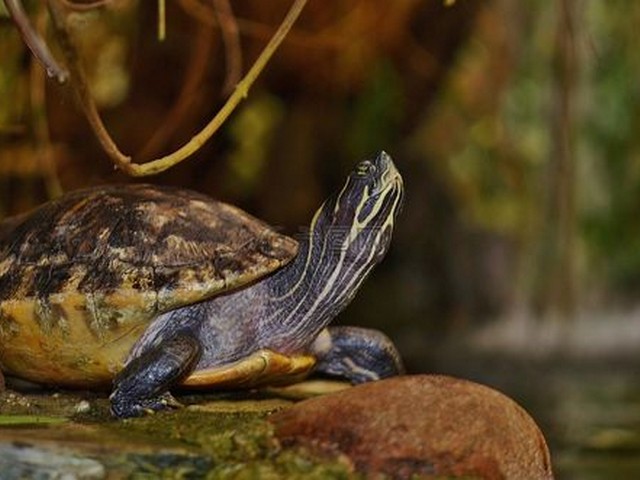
[
  {"x": 123, "y": 407},
  {"x": 143, "y": 385},
  {"x": 357, "y": 354}
]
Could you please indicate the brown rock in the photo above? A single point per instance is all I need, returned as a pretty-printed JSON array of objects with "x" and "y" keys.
[{"x": 423, "y": 425}]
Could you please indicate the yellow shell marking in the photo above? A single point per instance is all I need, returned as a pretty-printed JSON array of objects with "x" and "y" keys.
[{"x": 260, "y": 368}]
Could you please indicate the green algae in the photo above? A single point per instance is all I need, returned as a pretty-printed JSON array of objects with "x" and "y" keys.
[
  {"x": 31, "y": 420},
  {"x": 236, "y": 445},
  {"x": 219, "y": 436},
  {"x": 223, "y": 435}
]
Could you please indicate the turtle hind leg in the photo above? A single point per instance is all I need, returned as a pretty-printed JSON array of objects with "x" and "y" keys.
[
  {"x": 143, "y": 385},
  {"x": 357, "y": 354}
]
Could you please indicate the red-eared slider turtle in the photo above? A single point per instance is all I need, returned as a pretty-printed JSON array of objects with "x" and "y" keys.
[{"x": 152, "y": 287}]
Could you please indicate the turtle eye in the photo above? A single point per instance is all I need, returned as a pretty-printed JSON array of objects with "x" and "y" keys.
[{"x": 365, "y": 168}]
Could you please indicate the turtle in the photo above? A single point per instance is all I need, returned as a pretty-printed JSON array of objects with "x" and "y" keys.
[{"x": 144, "y": 288}]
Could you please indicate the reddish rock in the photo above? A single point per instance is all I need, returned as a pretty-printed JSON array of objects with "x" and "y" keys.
[{"x": 421, "y": 425}]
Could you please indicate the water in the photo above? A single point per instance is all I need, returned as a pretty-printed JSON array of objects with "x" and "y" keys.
[
  {"x": 595, "y": 420},
  {"x": 588, "y": 410}
]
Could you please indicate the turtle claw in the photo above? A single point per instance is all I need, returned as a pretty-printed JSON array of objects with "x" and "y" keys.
[
  {"x": 170, "y": 401},
  {"x": 125, "y": 408}
]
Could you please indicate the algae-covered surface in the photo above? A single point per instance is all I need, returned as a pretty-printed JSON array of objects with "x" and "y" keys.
[{"x": 225, "y": 435}]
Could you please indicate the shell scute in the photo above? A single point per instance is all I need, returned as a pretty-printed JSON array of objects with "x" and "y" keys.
[{"x": 139, "y": 237}]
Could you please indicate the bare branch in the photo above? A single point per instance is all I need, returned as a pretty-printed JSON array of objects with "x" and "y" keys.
[
  {"x": 81, "y": 87},
  {"x": 122, "y": 161},
  {"x": 32, "y": 40}
]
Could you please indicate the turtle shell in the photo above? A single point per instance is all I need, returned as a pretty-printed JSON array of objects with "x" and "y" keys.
[{"x": 83, "y": 275}]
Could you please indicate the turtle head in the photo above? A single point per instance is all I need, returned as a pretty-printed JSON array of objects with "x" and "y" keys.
[
  {"x": 349, "y": 235},
  {"x": 356, "y": 223}
]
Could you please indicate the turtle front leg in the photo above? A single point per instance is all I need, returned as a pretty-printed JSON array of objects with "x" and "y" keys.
[
  {"x": 143, "y": 385},
  {"x": 357, "y": 354}
]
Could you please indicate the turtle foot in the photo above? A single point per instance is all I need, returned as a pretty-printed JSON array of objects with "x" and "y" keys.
[
  {"x": 123, "y": 407},
  {"x": 357, "y": 354}
]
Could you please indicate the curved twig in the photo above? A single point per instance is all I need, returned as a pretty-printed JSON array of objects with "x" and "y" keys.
[
  {"x": 80, "y": 85},
  {"x": 123, "y": 161}
]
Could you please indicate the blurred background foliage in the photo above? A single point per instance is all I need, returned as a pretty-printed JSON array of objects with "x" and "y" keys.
[{"x": 512, "y": 122}]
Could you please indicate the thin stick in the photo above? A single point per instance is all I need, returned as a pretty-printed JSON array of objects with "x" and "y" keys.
[
  {"x": 123, "y": 161},
  {"x": 231, "y": 40},
  {"x": 162, "y": 28},
  {"x": 44, "y": 150},
  {"x": 32, "y": 40},
  {"x": 239, "y": 94},
  {"x": 81, "y": 87}
]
